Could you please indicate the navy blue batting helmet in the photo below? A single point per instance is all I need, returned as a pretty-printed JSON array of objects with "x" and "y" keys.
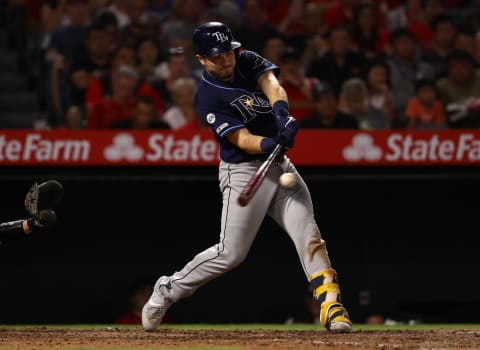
[{"x": 213, "y": 38}]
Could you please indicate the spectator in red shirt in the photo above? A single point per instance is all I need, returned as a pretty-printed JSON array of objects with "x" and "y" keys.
[
  {"x": 416, "y": 15},
  {"x": 144, "y": 117},
  {"x": 285, "y": 15},
  {"x": 423, "y": 30},
  {"x": 296, "y": 84},
  {"x": 120, "y": 105},
  {"x": 340, "y": 12},
  {"x": 100, "y": 87},
  {"x": 276, "y": 10}
]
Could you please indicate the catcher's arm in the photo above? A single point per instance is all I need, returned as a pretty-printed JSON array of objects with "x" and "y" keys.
[
  {"x": 16, "y": 229},
  {"x": 39, "y": 203}
]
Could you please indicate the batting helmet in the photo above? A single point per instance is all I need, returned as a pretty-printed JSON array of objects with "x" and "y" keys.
[{"x": 213, "y": 38}]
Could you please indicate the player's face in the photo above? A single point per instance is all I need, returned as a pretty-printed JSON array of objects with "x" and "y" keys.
[{"x": 221, "y": 67}]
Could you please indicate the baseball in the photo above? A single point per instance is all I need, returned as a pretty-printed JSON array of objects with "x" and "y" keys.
[{"x": 288, "y": 180}]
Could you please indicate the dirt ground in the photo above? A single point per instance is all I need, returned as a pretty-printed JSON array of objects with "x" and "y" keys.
[{"x": 48, "y": 338}]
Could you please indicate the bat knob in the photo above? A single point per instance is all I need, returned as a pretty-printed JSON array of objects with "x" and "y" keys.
[{"x": 242, "y": 200}]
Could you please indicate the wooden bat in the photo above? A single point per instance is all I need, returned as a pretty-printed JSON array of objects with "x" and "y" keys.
[{"x": 255, "y": 181}]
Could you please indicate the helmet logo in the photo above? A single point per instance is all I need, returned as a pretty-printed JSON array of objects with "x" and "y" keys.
[{"x": 222, "y": 37}]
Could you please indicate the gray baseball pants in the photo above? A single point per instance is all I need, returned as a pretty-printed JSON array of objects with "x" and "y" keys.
[{"x": 292, "y": 209}]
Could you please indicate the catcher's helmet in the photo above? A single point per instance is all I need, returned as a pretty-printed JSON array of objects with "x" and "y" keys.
[{"x": 213, "y": 38}]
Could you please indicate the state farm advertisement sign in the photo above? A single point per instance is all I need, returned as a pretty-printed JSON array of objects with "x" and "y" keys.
[
  {"x": 312, "y": 147},
  {"x": 106, "y": 148},
  {"x": 449, "y": 147}
]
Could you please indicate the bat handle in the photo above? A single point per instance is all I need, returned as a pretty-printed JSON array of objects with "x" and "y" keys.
[
  {"x": 242, "y": 199},
  {"x": 257, "y": 178}
]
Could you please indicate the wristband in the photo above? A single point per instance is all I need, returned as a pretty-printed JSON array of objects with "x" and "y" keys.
[
  {"x": 268, "y": 144},
  {"x": 280, "y": 107}
]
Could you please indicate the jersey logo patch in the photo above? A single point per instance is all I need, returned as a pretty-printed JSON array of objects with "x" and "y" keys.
[
  {"x": 210, "y": 118},
  {"x": 221, "y": 127},
  {"x": 250, "y": 106}
]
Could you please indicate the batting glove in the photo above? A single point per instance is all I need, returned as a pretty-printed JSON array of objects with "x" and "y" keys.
[
  {"x": 281, "y": 114},
  {"x": 286, "y": 137}
]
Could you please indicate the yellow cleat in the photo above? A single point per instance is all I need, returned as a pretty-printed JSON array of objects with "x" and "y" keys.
[{"x": 334, "y": 317}]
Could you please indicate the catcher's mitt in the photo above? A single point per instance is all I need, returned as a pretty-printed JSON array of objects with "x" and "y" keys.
[{"x": 47, "y": 195}]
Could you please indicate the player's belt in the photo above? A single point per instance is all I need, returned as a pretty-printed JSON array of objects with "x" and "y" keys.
[{"x": 263, "y": 157}]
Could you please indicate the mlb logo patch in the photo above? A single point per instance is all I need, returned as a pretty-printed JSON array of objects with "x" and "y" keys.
[{"x": 210, "y": 118}]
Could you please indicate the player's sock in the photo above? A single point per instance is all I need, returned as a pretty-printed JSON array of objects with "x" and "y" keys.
[{"x": 333, "y": 315}]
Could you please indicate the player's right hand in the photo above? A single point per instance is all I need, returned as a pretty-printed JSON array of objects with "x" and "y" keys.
[{"x": 281, "y": 114}]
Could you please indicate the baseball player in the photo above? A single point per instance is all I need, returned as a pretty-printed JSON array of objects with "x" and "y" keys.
[
  {"x": 39, "y": 203},
  {"x": 241, "y": 100}
]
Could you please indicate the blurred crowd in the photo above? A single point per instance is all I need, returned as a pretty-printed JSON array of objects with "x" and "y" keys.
[{"x": 350, "y": 64}]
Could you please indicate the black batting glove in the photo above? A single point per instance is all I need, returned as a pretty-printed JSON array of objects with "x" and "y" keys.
[
  {"x": 286, "y": 138},
  {"x": 281, "y": 114},
  {"x": 286, "y": 124}
]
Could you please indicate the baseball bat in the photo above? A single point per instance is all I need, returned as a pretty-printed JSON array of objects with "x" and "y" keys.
[{"x": 256, "y": 180}]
